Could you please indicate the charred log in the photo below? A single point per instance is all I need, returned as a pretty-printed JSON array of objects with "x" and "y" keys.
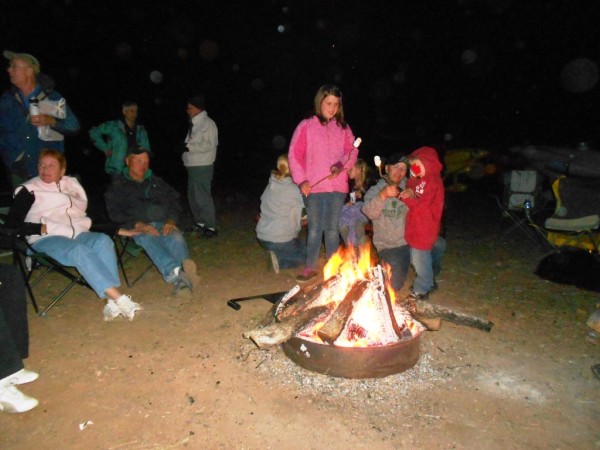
[
  {"x": 304, "y": 298},
  {"x": 336, "y": 323}
]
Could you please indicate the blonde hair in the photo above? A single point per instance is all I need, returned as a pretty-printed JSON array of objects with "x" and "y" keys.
[
  {"x": 283, "y": 168},
  {"x": 361, "y": 165}
]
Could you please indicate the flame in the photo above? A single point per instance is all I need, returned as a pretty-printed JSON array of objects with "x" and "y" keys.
[{"x": 364, "y": 327}]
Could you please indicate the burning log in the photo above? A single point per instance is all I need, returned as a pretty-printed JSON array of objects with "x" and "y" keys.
[
  {"x": 302, "y": 298},
  {"x": 422, "y": 309},
  {"x": 277, "y": 333},
  {"x": 336, "y": 323}
]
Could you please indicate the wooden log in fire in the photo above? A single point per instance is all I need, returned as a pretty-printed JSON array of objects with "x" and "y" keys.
[
  {"x": 330, "y": 331},
  {"x": 303, "y": 299},
  {"x": 279, "y": 332}
]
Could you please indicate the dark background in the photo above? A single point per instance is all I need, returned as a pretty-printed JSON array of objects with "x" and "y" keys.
[{"x": 468, "y": 73}]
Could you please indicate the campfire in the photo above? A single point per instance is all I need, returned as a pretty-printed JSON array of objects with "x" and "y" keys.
[
  {"x": 351, "y": 324},
  {"x": 359, "y": 307}
]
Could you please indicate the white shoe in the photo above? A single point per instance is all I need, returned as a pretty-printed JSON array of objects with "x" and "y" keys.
[
  {"x": 14, "y": 401},
  {"x": 21, "y": 377},
  {"x": 111, "y": 311},
  {"x": 127, "y": 307}
]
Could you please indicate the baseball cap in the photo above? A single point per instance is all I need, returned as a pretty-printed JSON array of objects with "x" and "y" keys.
[
  {"x": 396, "y": 158},
  {"x": 29, "y": 59}
]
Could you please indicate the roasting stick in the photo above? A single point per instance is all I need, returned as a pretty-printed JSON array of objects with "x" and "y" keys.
[
  {"x": 377, "y": 160},
  {"x": 357, "y": 142}
]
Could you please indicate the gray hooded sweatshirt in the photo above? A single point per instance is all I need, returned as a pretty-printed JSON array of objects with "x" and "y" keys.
[
  {"x": 280, "y": 211},
  {"x": 388, "y": 217}
]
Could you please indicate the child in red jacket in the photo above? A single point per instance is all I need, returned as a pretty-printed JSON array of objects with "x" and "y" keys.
[{"x": 424, "y": 196}]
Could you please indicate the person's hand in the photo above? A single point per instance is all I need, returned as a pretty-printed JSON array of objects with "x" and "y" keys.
[
  {"x": 129, "y": 232},
  {"x": 168, "y": 227},
  {"x": 335, "y": 171},
  {"x": 43, "y": 120},
  {"x": 146, "y": 228},
  {"x": 305, "y": 188},
  {"x": 407, "y": 193},
  {"x": 389, "y": 191}
]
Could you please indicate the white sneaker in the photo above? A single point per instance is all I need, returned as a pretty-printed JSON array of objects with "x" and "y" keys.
[
  {"x": 111, "y": 311},
  {"x": 127, "y": 306},
  {"x": 21, "y": 377},
  {"x": 14, "y": 401}
]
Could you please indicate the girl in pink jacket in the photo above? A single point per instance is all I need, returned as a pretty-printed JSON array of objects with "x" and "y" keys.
[{"x": 320, "y": 155}]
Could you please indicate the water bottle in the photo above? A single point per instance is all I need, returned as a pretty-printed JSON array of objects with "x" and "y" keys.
[
  {"x": 527, "y": 207},
  {"x": 34, "y": 107}
]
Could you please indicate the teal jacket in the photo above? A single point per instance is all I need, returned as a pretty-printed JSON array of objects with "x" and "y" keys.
[{"x": 111, "y": 136}]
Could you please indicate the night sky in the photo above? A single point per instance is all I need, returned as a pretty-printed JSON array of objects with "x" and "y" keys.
[{"x": 466, "y": 73}]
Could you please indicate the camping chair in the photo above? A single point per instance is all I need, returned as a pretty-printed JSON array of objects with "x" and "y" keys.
[
  {"x": 34, "y": 266},
  {"x": 126, "y": 250},
  {"x": 576, "y": 220},
  {"x": 521, "y": 200}
]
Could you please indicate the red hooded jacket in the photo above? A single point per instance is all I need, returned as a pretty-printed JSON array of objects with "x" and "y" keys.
[{"x": 424, "y": 217}]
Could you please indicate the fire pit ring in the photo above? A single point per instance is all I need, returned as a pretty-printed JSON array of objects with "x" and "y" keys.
[{"x": 354, "y": 362}]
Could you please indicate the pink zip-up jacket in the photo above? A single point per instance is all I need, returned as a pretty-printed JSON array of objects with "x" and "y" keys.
[
  {"x": 61, "y": 206},
  {"x": 315, "y": 148}
]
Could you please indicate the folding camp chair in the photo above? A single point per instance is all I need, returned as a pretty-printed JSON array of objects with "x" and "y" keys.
[
  {"x": 34, "y": 267},
  {"x": 521, "y": 200},
  {"x": 127, "y": 250},
  {"x": 576, "y": 219}
]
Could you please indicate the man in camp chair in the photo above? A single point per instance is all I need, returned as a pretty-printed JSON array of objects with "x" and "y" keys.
[{"x": 140, "y": 199}]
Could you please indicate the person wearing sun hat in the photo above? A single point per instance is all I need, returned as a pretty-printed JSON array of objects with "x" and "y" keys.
[{"x": 20, "y": 136}]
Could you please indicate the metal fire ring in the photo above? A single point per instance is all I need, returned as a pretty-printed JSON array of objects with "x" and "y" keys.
[{"x": 354, "y": 362}]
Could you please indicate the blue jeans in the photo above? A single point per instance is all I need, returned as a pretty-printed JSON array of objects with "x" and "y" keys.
[
  {"x": 166, "y": 252},
  {"x": 398, "y": 259},
  {"x": 323, "y": 210},
  {"x": 437, "y": 253},
  {"x": 289, "y": 254},
  {"x": 92, "y": 254},
  {"x": 199, "y": 195},
  {"x": 427, "y": 264}
]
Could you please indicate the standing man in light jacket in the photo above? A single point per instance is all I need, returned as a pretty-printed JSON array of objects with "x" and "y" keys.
[
  {"x": 23, "y": 134},
  {"x": 116, "y": 136},
  {"x": 201, "y": 143}
]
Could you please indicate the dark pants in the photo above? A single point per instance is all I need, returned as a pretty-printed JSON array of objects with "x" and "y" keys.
[
  {"x": 200, "y": 196},
  {"x": 14, "y": 331}
]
